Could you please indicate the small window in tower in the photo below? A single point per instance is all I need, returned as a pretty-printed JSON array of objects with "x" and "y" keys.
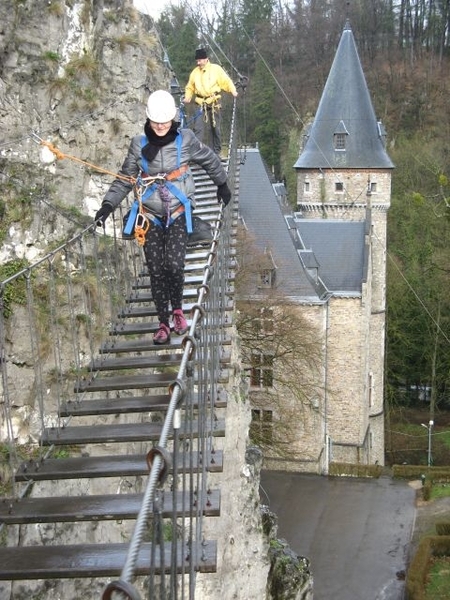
[
  {"x": 307, "y": 187},
  {"x": 339, "y": 141},
  {"x": 373, "y": 187},
  {"x": 338, "y": 186}
]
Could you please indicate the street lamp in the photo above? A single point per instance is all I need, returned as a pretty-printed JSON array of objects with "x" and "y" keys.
[{"x": 429, "y": 427}]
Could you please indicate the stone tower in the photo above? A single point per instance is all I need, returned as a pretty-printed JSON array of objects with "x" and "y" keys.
[{"x": 344, "y": 174}]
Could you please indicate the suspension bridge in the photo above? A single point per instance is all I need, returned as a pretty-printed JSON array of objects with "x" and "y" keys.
[{"x": 126, "y": 431}]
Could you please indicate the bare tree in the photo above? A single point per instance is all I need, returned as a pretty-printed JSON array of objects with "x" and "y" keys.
[{"x": 281, "y": 354}]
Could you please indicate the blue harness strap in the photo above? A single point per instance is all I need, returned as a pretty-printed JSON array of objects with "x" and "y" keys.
[
  {"x": 174, "y": 190},
  {"x": 128, "y": 229}
]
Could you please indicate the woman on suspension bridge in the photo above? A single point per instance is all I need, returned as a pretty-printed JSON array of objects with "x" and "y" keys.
[
  {"x": 205, "y": 83},
  {"x": 160, "y": 161}
]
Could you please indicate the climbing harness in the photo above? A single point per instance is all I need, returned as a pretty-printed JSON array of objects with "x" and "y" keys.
[
  {"x": 137, "y": 220},
  {"x": 210, "y": 105}
]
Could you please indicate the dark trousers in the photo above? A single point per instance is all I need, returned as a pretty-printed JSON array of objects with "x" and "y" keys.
[
  {"x": 165, "y": 253},
  {"x": 209, "y": 120}
]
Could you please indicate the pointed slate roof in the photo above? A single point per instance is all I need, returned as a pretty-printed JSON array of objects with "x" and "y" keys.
[{"x": 346, "y": 109}]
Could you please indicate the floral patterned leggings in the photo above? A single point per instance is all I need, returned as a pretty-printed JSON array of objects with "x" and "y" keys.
[{"x": 165, "y": 253}]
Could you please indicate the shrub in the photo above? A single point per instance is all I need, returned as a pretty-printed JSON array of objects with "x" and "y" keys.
[
  {"x": 434, "y": 474},
  {"x": 443, "y": 528},
  {"x": 416, "y": 578}
]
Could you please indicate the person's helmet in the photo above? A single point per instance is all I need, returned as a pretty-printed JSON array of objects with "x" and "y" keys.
[{"x": 161, "y": 107}]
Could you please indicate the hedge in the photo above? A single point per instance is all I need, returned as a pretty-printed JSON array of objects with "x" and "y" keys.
[
  {"x": 351, "y": 470},
  {"x": 434, "y": 474},
  {"x": 418, "y": 569}
]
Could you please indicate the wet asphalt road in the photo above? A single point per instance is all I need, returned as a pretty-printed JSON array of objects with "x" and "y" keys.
[{"x": 355, "y": 532}]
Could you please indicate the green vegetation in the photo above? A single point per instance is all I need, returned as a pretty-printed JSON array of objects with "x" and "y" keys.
[
  {"x": 15, "y": 291},
  {"x": 81, "y": 81},
  {"x": 56, "y": 8},
  {"x": 127, "y": 39},
  {"x": 10, "y": 455},
  {"x": 438, "y": 579},
  {"x": 52, "y": 56},
  {"x": 17, "y": 199},
  {"x": 440, "y": 490},
  {"x": 407, "y": 440}
]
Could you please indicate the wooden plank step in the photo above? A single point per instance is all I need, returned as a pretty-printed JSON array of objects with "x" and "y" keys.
[
  {"x": 149, "y": 361},
  {"x": 143, "y": 283},
  {"x": 131, "y": 311},
  {"x": 118, "y": 465},
  {"x": 147, "y": 345},
  {"x": 127, "y": 404},
  {"x": 105, "y": 507},
  {"x": 129, "y": 382},
  {"x": 203, "y": 254},
  {"x": 95, "y": 560},
  {"x": 143, "y": 344},
  {"x": 138, "y": 328},
  {"x": 148, "y": 311},
  {"x": 141, "y": 296},
  {"x": 120, "y": 433},
  {"x": 115, "y": 406},
  {"x": 147, "y": 297},
  {"x": 145, "y": 327}
]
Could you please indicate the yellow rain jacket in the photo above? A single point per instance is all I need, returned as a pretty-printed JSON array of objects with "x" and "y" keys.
[{"x": 206, "y": 83}]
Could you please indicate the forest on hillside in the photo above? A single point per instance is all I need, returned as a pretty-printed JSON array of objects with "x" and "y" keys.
[{"x": 285, "y": 49}]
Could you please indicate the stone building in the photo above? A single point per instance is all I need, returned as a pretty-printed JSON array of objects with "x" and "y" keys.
[{"x": 328, "y": 260}]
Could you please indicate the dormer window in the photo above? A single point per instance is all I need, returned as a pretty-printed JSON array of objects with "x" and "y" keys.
[
  {"x": 340, "y": 137},
  {"x": 339, "y": 141},
  {"x": 267, "y": 278},
  {"x": 267, "y": 271}
]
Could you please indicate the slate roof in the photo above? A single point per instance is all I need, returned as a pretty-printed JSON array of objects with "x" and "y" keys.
[
  {"x": 345, "y": 108},
  {"x": 301, "y": 246},
  {"x": 338, "y": 248},
  {"x": 263, "y": 217}
]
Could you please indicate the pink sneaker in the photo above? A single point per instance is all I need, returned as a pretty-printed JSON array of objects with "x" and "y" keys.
[
  {"x": 180, "y": 325},
  {"x": 162, "y": 335}
]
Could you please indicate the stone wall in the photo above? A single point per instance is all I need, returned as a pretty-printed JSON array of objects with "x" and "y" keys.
[{"x": 318, "y": 188}]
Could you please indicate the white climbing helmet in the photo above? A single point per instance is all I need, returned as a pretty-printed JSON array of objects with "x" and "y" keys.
[{"x": 161, "y": 107}]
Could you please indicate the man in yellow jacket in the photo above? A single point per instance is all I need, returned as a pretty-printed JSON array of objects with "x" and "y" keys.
[{"x": 205, "y": 83}]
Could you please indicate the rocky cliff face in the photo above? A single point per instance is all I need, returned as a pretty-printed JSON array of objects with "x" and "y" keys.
[{"x": 76, "y": 74}]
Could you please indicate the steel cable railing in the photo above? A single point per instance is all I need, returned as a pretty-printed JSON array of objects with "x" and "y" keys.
[{"x": 52, "y": 315}]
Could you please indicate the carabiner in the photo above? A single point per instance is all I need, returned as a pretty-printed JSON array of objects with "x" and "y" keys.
[{"x": 142, "y": 225}]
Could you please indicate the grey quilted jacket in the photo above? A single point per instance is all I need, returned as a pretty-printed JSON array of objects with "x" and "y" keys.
[{"x": 192, "y": 151}]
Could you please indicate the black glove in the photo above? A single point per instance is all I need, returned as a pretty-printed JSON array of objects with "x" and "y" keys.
[
  {"x": 223, "y": 194},
  {"x": 102, "y": 214}
]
